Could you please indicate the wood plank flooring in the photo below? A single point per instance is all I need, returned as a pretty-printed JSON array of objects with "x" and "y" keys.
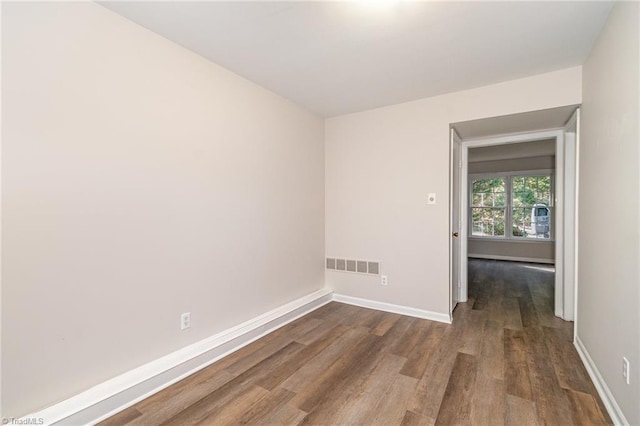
[{"x": 505, "y": 360}]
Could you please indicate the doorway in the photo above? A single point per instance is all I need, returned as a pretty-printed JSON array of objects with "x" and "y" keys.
[{"x": 560, "y": 207}]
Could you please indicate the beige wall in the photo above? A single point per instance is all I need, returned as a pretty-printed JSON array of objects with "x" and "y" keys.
[
  {"x": 608, "y": 275},
  {"x": 140, "y": 181},
  {"x": 527, "y": 250},
  {"x": 380, "y": 166},
  {"x": 545, "y": 162}
]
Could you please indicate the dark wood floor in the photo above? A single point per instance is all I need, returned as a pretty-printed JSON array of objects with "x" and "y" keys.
[{"x": 505, "y": 360}]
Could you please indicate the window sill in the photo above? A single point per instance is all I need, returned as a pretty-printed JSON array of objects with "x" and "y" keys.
[{"x": 511, "y": 240}]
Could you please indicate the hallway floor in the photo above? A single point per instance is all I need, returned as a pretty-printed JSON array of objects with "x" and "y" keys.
[{"x": 544, "y": 378}]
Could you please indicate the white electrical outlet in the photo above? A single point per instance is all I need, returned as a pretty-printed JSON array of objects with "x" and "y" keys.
[
  {"x": 383, "y": 279},
  {"x": 625, "y": 370},
  {"x": 185, "y": 320}
]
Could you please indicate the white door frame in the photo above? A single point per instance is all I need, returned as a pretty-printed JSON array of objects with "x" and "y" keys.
[
  {"x": 455, "y": 167},
  {"x": 558, "y": 135},
  {"x": 571, "y": 145}
]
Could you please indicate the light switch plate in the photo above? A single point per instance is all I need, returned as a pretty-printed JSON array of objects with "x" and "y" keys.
[{"x": 431, "y": 198}]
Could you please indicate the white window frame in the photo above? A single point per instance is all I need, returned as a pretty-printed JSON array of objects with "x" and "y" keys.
[{"x": 508, "y": 218}]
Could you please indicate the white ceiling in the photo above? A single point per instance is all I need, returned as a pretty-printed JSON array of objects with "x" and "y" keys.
[{"x": 340, "y": 57}]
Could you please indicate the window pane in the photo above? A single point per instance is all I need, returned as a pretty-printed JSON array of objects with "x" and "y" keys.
[
  {"x": 498, "y": 222},
  {"x": 487, "y": 221},
  {"x": 483, "y": 199},
  {"x": 498, "y": 185},
  {"x": 519, "y": 199},
  {"x": 479, "y": 217},
  {"x": 543, "y": 198},
  {"x": 531, "y": 214},
  {"x": 488, "y": 185},
  {"x": 488, "y": 204},
  {"x": 517, "y": 183},
  {"x": 481, "y": 185},
  {"x": 544, "y": 184},
  {"x": 521, "y": 222},
  {"x": 531, "y": 183}
]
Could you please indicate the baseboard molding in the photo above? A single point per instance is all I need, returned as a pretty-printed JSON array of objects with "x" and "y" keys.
[
  {"x": 616, "y": 414},
  {"x": 110, "y": 397},
  {"x": 511, "y": 258},
  {"x": 121, "y": 392},
  {"x": 396, "y": 309}
]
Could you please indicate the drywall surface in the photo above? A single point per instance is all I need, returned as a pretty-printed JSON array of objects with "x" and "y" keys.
[
  {"x": 140, "y": 181},
  {"x": 530, "y": 251},
  {"x": 546, "y": 162},
  {"x": 609, "y": 245},
  {"x": 380, "y": 166}
]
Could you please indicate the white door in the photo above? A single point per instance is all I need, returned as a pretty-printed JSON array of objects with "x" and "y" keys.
[{"x": 454, "y": 245}]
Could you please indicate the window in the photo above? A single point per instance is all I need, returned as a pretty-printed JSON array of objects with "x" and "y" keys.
[
  {"x": 488, "y": 207},
  {"x": 520, "y": 203},
  {"x": 530, "y": 210}
]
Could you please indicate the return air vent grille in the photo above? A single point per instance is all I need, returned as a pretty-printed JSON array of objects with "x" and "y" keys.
[{"x": 355, "y": 266}]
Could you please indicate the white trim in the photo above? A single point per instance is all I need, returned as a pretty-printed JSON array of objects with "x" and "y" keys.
[
  {"x": 616, "y": 414},
  {"x": 575, "y": 226},
  {"x": 513, "y": 138},
  {"x": 511, "y": 240},
  {"x": 559, "y": 202},
  {"x": 569, "y": 220},
  {"x": 454, "y": 169},
  {"x": 396, "y": 309},
  {"x": 118, "y": 393},
  {"x": 537, "y": 172},
  {"x": 511, "y": 258},
  {"x": 464, "y": 220}
]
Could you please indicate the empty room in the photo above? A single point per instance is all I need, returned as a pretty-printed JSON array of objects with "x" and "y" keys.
[{"x": 333, "y": 213}]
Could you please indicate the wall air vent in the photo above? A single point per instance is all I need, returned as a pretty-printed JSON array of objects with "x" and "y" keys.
[
  {"x": 351, "y": 265},
  {"x": 355, "y": 266},
  {"x": 331, "y": 263}
]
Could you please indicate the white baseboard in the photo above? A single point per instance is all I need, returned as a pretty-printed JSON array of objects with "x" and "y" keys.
[
  {"x": 396, "y": 309},
  {"x": 616, "y": 414},
  {"x": 511, "y": 258},
  {"x": 110, "y": 397},
  {"x": 114, "y": 395}
]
